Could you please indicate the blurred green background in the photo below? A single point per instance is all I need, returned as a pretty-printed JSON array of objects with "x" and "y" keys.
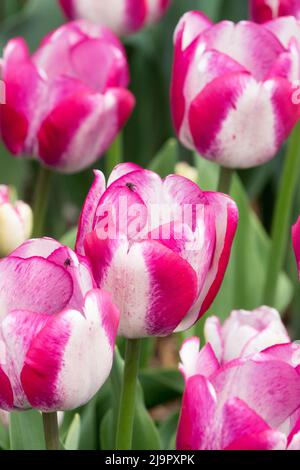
[{"x": 149, "y": 141}]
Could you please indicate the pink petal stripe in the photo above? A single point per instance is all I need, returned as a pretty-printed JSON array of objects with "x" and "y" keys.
[
  {"x": 89, "y": 210},
  {"x": 296, "y": 242}
]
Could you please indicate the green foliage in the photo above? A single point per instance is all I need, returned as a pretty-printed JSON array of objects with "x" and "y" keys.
[{"x": 26, "y": 431}]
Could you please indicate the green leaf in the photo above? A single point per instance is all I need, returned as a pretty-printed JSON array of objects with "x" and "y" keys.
[
  {"x": 107, "y": 431},
  {"x": 145, "y": 433},
  {"x": 4, "y": 437},
  {"x": 244, "y": 280},
  {"x": 165, "y": 161},
  {"x": 26, "y": 431},
  {"x": 32, "y": 22},
  {"x": 161, "y": 385},
  {"x": 69, "y": 238},
  {"x": 168, "y": 430},
  {"x": 73, "y": 436}
]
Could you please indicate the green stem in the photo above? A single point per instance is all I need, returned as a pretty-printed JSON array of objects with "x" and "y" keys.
[
  {"x": 282, "y": 216},
  {"x": 114, "y": 155},
  {"x": 51, "y": 431},
  {"x": 41, "y": 198},
  {"x": 225, "y": 180},
  {"x": 128, "y": 395}
]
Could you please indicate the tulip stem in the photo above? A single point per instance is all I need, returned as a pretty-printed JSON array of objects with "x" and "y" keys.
[
  {"x": 281, "y": 224},
  {"x": 128, "y": 395},
  {"x": 41, "y": 199},
  {"x": 225, "y": 180},
  {"x": 114, "y": 155},
  {"x": 51, "y": 431}
]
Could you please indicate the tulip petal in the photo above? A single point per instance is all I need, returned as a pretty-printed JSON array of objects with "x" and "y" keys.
[
  {"x": 190, "y": 26},
  {"x": 285, "y": 29},
  {"x": 22, "y": 280},
  {"x": 6, "y": 392},
  {"x": 113, "y": 71},
  {"x": 18, "y": 329},
  {"x": 243, "y": 43},
  {"x": 261, "y": 383},
  {"x": 224, "y": 117},
  {"x": 195, "y": 362},
  {"x": 89, "y": 210},
  {"x": 42, "y": 247},
  {"x": 226, "y": 219},
  {"x": 197, "y": 414},
  {"x": 243, "y": 429},
  {"x": 52, "y": 377},
  {"x": 84, "y": 124},
  {"x": 23, "y": 88},
  {"x": 121, "y": 170},
  {"x": 296, "y": 242},
  {"x": 152, "y": 286}
]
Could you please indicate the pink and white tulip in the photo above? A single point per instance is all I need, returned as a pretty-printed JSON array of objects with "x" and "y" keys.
[
  {"x": 248, "y": 403},
  {"x": 57, "y": 331},
  {"x": 296, "y": 243},
  {"x": 161, "y": 247},
  {"x": 121, "y": 16},
  {"x": 67, "y": 102},
  {"x": 245, "y": 333},
  {"x": 267, "y": 10},
  {"x": 232, "y": 91},
  {"x": 15, "y": 222}
]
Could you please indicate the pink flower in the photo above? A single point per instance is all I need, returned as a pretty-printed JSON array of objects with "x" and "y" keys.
[
  {"x": 66, "y": 103},
  {"x": 232, "y": 92},
  {"x": 15, "y": 222},
  {"x": 245, "y": 333},
  {"x": 266, "y": 10},
  {"x": 57, "y": 332},
  {"x": 296, "y": 243},
  {"x": 248, "y": 403},
  {"x": 161, "y": 247},
  {"x": 121, "y": 16}
]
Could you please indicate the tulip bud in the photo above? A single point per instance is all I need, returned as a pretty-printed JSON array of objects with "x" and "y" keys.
[
  {"x": 121, "y": 16},
  {"x": 15, "y": 222},
  {"x": 4, "y": 418},
  {"x": 187, "y": 171},
  {"x": 233, "y": 100},
  {"x": 77, "y": 80},
  {"x": 160, "y": 247}
]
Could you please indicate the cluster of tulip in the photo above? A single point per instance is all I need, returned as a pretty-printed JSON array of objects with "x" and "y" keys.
[{"x": 154, "y": 266}]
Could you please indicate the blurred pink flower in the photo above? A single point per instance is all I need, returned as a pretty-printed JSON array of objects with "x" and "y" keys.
[
  {"x": 67, "y": 102},
  {"x": 121, "y": 16}
]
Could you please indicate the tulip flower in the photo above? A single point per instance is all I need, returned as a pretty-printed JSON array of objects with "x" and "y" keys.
[
  {"x": 15, "y": 222},
  {"x": 186, "y": 170},
  {"x": 121, "y": 16},
  {"x": 248, "y": 403},
  {"x": 296, "y": 242},
  {"x": 67, "y": 102},
  {"x": 161, "y": 247},
  {"x": 267, "y": 10},
  {"x": 245, "y": 333},
  {"x": 57, "y": 332},
  {"x": 232, "y": 90}
]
